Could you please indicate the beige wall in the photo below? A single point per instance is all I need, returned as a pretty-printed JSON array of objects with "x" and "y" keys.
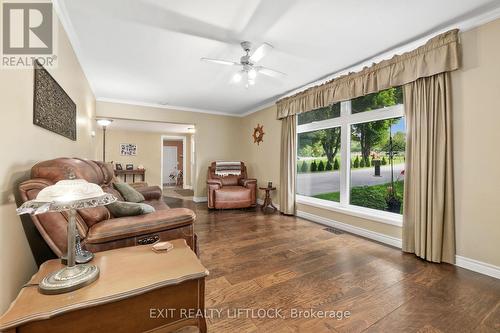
[
  {"x": 149, "y": 147},
  {"x": 217, "y": 137},
  {"x": 24, "y": 145},
  {"x": 476, "y": 117}
]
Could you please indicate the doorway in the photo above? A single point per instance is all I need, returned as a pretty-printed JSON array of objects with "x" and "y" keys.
[{"x": 173, "y": 161}]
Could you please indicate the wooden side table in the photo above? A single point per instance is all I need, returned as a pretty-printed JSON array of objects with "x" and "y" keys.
[
  {"x": 138, "y": 290},
  {"x": 268, "y": 202}
]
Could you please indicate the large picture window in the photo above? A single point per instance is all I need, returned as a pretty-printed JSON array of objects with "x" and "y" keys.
[{"x": 351, "y": 154}]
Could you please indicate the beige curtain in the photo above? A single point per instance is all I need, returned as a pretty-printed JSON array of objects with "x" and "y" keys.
[
  {"x": 428, "y": 218},
  {"x": 440, "y": 54},
  {"x": 288, "y": 165}
]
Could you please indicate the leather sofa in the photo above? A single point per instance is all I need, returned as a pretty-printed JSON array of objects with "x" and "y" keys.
[
  {"x": 98, "y": 229},
  {"x": 232, "y": 191}
]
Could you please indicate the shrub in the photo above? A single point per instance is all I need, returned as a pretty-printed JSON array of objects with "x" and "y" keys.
[
  {"x": 304, "y": 167},
  {"x": 362, "y": 163},
  {"x": 336, "y": 164},
  {"x": 329, "y": 166},
  {"x": 372, "y": 163},
  {"x": 384, "y": 161},
  {"x": 314, "y": 166},
  {"x": 321, "y": 166},
  {"x": 356, "y": 162}
]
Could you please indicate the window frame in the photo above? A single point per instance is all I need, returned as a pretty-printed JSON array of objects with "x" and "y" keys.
[{"x": 345, "y": 121}]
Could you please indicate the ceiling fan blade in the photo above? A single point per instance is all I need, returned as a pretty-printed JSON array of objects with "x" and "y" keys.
[
  {"x": 151, "y": 14},
  {"x": 221, "y": 61},
  {"x": 260, "y": 52},
  {"x": 265, "y": 16},
  {"x": 269, "y": 71}
]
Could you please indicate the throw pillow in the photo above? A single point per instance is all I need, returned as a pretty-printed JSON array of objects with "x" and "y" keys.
[
  {"x": 93, "y": 215},
  {"x": 129, "y": 193},
  {"x": 122, "y": 208}
]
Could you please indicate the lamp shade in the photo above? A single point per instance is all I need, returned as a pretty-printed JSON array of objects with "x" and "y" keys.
[
  {"x": 104, "y": 122},
  {"x": 66, "y": 195}
]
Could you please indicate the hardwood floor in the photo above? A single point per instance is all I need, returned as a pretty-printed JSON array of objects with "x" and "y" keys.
[{"x": 273, "y": 261}]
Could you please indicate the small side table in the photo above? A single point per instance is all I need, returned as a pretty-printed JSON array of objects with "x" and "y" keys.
[{"x": 268, "y": 202}]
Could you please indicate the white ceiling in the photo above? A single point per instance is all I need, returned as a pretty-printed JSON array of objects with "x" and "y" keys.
[
  {"x": 149, "y": 51},
  {"x": 149, "y": 126}
]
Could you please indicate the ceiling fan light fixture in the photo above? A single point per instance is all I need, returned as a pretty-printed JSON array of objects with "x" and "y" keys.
[
  {"x": 252, "y": 74},
  {"x": 237, "y": 77}
]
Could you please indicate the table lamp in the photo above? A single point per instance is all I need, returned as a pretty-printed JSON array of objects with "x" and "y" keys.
[{"x": 68, "y": 195}]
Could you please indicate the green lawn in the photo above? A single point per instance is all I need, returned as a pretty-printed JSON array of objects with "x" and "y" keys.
[{"x": 367, "y": 196}]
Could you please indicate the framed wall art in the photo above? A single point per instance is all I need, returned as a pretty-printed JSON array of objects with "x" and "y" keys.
[
  {"x": 128, "y": 149},
  {"x": 53, "y": 109}
]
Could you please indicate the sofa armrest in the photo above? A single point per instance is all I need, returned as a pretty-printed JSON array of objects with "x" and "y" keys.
[
  {"x": 251, "y": 184},
  {"x": 246, "y": 182},
  {"x": 138, "y": 185},
  {"x": 212, "y": 185},
  {"x": 214, "y": 182},
  {"x": 150, "y": 192},
  {"x": 133, "y": 226}
]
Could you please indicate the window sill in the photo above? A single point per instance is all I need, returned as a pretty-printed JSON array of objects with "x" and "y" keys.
[{"x": 365, "y": 213}]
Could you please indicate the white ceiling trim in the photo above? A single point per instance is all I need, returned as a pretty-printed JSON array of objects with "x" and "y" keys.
[
  {"x": 165, "y": 106},
  {"x": 464, "y": 24}
]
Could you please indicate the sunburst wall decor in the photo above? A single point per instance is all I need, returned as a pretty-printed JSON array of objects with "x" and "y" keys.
[{"x": 258, "y": 134}]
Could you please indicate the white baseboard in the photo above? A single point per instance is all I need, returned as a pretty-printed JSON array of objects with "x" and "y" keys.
[
  {"x": 389, "y": 240},
  {"x": 478, "y": 266},
  {"x": 200, "y": 199},
  {"x": 463, "y": 262}
]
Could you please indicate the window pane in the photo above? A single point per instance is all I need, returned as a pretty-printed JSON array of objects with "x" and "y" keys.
[
  {"x": 377, "y": 164},
  {"x": 329, "y": 112},
  {"x": 318, "y": 164},
  {"x": 384, "y": 98}
]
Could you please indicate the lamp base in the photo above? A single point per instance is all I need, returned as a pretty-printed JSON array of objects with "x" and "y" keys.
[{"x": 68, "y": 279}]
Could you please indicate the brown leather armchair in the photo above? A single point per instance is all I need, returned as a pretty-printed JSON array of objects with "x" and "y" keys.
[
  {"x": 228, "y": 192},
  {"x": 98, "y": 229}
]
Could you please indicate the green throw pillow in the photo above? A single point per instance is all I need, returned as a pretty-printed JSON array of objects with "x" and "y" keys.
[
  {"x": 122, "y": 208},
  {"x": 129, "y": 193}
]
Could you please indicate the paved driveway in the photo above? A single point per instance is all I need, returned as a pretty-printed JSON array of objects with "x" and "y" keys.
[{"x": 325, "y": 182}]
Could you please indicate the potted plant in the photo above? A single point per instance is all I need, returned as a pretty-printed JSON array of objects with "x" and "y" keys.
[{"x": 394, "y": 199}]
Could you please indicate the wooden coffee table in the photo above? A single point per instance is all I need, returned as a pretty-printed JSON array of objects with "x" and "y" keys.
[
  {"x": 138, "y": 290},
  {"x": 268, "y": 202}
]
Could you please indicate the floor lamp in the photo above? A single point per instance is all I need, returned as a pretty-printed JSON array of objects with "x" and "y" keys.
[{"x": 104, "y": 123}]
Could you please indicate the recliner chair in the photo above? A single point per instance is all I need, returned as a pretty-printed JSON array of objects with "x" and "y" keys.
[{"x": 232, "y": 191}]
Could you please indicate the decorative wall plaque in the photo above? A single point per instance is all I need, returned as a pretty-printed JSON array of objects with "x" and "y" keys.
[
  {"x": 53, "y": 109},
  {"x": 258, "y": 134},
  {"x": 128, "y": 149}
]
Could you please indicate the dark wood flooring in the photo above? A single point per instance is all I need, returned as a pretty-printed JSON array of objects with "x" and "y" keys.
[{"x": 259, "y": 261}]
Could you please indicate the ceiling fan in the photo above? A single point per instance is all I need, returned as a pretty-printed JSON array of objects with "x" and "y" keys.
[{"x": 249, "y": 69}]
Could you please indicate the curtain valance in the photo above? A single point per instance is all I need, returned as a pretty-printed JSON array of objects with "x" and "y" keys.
[{"x": 440, "y": 54}]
